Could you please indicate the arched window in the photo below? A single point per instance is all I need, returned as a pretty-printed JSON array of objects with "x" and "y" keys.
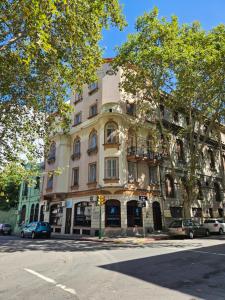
[
  {"x": 180, "y": 150},
  {"x": 42, "y": 213},
  {"x": 32, "y": 213},
  {"x": 134, "y": 214},
  {"x": 76, "y": 146},
  {"x": 111, "y": 133},
  {"x": 211, "y": 159},
  {"x": 169, "y": 185},
  {"x": 23, "y": 214},
  {"x": 52, "y": 153},
  {"x": 217, "y": 191},
  {"x": 76, "y": 149},
  {"x": 112, "y": 213},
  {"x": 82, "y": 214},
  {"x": 92, "y": 144},
  {"x": 36, "y": 212},
  {"x": 200, "y": 193}
]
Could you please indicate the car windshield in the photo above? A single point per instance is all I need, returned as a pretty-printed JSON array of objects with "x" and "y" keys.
[
  {"x": 176, "y": 224},
  {"x": 7, "y": 225}
]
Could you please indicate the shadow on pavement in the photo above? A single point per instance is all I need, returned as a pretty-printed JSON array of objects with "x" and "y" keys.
[{"x": 197, "y": 272}]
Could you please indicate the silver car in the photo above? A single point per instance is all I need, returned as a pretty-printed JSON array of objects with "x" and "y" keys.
[
  {"x": 5, "y": 228},
  {"x": 215, "y": 225}
]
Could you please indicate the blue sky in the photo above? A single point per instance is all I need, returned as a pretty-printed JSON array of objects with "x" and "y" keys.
[{"x": 209, "y": 12}]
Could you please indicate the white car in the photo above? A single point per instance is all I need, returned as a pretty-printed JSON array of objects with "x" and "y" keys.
[{"x": 215, "y": 225}]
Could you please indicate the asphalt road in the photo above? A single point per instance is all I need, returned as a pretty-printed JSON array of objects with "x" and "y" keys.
[{"x": 67, "y": 269}]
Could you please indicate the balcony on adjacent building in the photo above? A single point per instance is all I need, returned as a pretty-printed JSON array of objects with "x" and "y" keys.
[{"x": 141, "y": 154}]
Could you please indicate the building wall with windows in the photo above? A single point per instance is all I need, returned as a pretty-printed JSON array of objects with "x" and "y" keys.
[{"x": 107, "y": 153}]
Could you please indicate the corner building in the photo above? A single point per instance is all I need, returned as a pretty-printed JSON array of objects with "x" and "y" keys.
[{"x": 105, "y": 154}]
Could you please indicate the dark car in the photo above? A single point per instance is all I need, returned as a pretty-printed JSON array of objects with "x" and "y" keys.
[
  {"x": 5, "y": 228},
  {"x": 187, "y": 228},
  {"x": 36, "y": 229}
]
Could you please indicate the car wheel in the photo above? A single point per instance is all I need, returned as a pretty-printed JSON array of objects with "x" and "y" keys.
[
  {"x": 221, "y": 231},
  {"x": 33, "y": 235},
  {"x": 207, "y": 233},
  {"x": 191, "y": 235},
  {"x": 22, "y": 234}
]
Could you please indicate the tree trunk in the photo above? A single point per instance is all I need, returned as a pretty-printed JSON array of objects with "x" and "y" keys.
[{"x": 187, "y": 209}]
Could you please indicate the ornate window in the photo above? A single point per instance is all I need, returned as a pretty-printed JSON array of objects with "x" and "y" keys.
[
  {"x": 77, "y": 119},
  {"x": 111, "y": 168},
  {"x": 75, "y": 176},
  {"x": 93, "y": 111},
  {"x": 92, "y": 143},
  {"x": 153, "y": 175},
  {"x": 111, "y": 133},
  {"x": 78, "y": 97},
  {"x": 112, "y": 213},
  {"x": 169, "y": 185},
  {"x": 217, "y": 192},
  {"x": 42, "y": 213},
  {"x": 82, "y": 214},
  {"x": 32, "y": 213},
  {"x": 132, "y": 171},
  {"x": 36, "y": 211},
  {"x": 52, "y": 153},
  {"x": 76, "y": 149},
  {"x": 50, "y": 182},
  {"x": 211, "y": 159},
  {"x": 23, "y": 214},
  {"x": 180, "y": 150},
  {"x": 132, "y": 143},
  {"x": 92, "y": 87},
  {"x": 92, "y": 173}
]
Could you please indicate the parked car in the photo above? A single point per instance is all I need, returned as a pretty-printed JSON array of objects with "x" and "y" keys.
[
  {"x": 215, "y": 225},
  {"x": 36, "y": 229},
  {"x": 5, "y": 228},
  {"x": 188, "y": 228}
]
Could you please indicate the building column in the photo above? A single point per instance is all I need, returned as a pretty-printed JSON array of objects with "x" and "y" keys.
[
  {"x": 72, "y": 218},
  {"x": 123, "y": 212}
]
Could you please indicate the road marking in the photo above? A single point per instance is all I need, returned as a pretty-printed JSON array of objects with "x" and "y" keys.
[
  {"x": 206, "y": 252},
  {"x": 50, "y": 280}
]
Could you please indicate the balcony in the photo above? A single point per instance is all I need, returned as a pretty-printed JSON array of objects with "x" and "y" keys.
[{"x": 141, "y": 154}]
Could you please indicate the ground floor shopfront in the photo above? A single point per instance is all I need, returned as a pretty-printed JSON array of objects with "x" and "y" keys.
[{"x": 120, "y": 215}]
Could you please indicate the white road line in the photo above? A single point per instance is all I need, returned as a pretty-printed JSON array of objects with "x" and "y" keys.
[
  {"x": 206, "y": 252},
  {"x": 61, "y": 286}
]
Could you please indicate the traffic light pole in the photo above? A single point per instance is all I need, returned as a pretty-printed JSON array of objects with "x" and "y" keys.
[
  {"x": 143, "y": 221},
  {"x": 100, "y": 222}
]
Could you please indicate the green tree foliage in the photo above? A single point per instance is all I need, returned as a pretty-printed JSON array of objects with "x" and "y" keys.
[
  {"x": 181, "y": 67},
  {"x": 46, "y": 48}
]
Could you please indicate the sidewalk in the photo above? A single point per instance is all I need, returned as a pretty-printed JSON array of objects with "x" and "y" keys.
[{"x": 120, "y": 240}]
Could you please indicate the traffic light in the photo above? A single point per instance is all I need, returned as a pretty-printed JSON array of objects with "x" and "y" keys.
[{"x": 100, "y": 200}]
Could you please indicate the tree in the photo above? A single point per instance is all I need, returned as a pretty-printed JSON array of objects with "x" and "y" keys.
[
  {"x": 180, "y": 68},
  {"x": 46, "y": 48}
]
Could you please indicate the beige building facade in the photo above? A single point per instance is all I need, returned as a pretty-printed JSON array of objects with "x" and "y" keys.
[{"x": 106, "y": 153}]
